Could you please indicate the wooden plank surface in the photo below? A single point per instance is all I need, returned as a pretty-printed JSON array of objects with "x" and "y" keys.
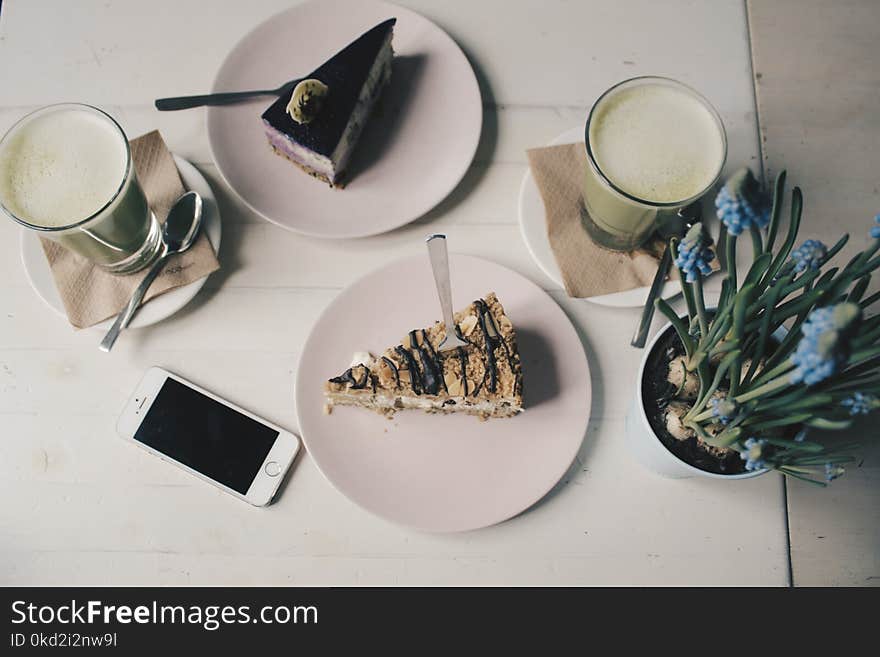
[
  {"x": 82, "y": 507},
  {"x": 817, "y": 68}
]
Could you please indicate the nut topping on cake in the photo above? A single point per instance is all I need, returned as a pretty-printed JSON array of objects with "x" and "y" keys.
[{"x": 482, "y": 378}]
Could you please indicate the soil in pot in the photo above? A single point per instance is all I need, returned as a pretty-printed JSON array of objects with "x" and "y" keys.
[{"x": 656, "y": 395}]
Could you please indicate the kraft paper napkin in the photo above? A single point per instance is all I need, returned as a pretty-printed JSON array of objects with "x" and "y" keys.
[
  {"x": 90, "y": 294},
  {"x": 588, "y": 269}
]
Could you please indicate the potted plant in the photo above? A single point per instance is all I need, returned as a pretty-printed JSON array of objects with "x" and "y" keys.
[{"x": 732, "y": 391}]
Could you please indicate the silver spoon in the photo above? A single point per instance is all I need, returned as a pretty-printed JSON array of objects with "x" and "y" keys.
[
  {"x": 222, "y": 98},
  {"x": 440, "y": 265},
  {"x": 673, "y": 225},
  {"x": 178, "y": 234}
]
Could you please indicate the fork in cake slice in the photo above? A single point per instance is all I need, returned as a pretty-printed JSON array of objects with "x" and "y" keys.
[{"x": 483, "y": 378}]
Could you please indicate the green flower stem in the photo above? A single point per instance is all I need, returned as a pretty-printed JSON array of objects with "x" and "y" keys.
[
  {"x": 856, "y": 384},
  {"x": 758, "y": 426},
  {"x": 722, "y": 348},
  {"x": 822, "y": 459},
  {"x": 869, "y": 333},
  {"x": 858, "y": 290},
  {"x": 677, "y": 324},
  {"x": 874, "y": 298},
  {"x": 854, "y": 372},
  {"x": 792, "y": 446},
  {"x": 704, "y": 398},
  {"x": 757, "y": 269},
  {"x": 803, "y": 280},
  {"x": 730, "y": 262},
  {"x": 788, "y": 344},
  {"x": 771, "y": 374},
  {"x": 804, "y": 302},
  {"x": 797, "y": 205},
  {"x": 825, "y": 423},
  {"x": 776, "y": 212},
  {"x": 764, "y": 333},
  {"x": 686, "y": 291},
  {"x": 788, "y": 471},
  {"x": 741, "y": 302},
  {"x": 721, "y": 250},
  {"x": 863, "y": 356},
  {"x": 833, "y": 251},
  {"x": 701, "y": 308},
  {"x": 718, "y": 329},
  {"x": 704, "y": 375},
  {"x": 757, "y": 244},
  {"x": 766, "y": 389},
  {"x": 799, "y": 399},
  {"x": 725, "y": 438},
  {"x": 865, "y": 255}
]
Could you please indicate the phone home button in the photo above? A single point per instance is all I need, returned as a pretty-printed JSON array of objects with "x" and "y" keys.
[{"x": 272, "y": 469}]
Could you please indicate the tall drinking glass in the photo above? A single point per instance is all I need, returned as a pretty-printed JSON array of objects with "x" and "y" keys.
[
  {"x": 653, "y": 145},
  {"x": 66, "y": 171}
]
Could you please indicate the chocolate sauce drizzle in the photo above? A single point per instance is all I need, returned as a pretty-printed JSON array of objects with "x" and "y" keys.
[
  {"x": 348, "y": 377},
  {"x": 430, "y": 376},
  {"x": 462, "y": 357},
  {"x": 491, "y": 342},
  {"x": 435, "y": 358},
  {"x": 414, "y": 375},
  {"x": 394, "y": 371}
]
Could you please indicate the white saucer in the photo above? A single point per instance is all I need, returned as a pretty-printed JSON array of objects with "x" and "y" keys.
[
  {"x": 155, "y": 310},
  {"x": 533, "y": 224}
]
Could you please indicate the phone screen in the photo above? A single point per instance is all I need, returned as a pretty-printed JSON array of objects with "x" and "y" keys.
[{"x": 205, "y": 435}]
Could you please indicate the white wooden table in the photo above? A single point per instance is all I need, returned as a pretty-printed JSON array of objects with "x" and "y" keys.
[{"x": 81, "y": 507}]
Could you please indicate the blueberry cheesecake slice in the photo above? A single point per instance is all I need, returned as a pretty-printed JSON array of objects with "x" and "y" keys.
[
  {"x": 316, "y": 125},
  {"x": 484, "y": 378}
]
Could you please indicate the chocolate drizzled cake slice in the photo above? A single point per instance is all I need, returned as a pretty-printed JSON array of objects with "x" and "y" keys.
[
  {"x": 317, "y": 123},
  {"x": 484, "y": 378}
]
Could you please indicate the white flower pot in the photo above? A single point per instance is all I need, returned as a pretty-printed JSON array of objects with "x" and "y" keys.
[{"x": 647, "y": 447}]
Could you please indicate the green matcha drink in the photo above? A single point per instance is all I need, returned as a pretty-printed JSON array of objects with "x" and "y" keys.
[
  {"x": 653, "y": 145},
  {"x": 66, "y": 171}
]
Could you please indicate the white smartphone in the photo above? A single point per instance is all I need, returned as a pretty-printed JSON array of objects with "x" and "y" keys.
[{"x": 208, "y": 437}]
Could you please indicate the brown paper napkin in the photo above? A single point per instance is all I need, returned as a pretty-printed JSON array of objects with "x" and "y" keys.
[
  {"x": 90, "y": 294},
  {"x": 588, "y": 269}
]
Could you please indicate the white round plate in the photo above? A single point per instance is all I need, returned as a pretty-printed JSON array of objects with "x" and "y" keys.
[
  {"x": 415, "y": 148},
  {"x": 156, "y": 309},
  {"x": 452, "y": 472},
  {"x": 533, "y": 224}
]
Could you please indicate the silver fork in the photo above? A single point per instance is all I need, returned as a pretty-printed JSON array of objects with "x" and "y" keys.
[
  {"x": 440, "y": 266},
  {"x": 221, "y": 98}
]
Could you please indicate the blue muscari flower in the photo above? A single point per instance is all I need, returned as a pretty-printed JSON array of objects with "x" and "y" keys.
[
  {"x": 724, "y": 409},
  {"x": 824, "y": 345},
  {"x": 694, "y": 255},
  {"x": 741, "y": 204},
  {"x": 860, "y": 403},
  {"x": 808, "y": 255},
  {"x": 875, "y": 230},
  {"x": 751, "y": 454},
  {"x": 832, "y": 471}
]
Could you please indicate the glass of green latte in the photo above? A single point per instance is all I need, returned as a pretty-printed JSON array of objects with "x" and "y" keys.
[
  {"x": 653, "y": 145},
  {"x": 66, "y": 172}
]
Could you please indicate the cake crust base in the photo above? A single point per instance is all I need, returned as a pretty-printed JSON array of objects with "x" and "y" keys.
[{"x": 339, "y": 184}]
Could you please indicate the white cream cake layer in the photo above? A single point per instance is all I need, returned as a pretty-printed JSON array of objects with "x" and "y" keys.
[{"x": 380, "y": 401}]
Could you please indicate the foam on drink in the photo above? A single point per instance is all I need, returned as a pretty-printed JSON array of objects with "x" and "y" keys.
[
  {"x": 656, "y": 142},
  {"x": 61, "y": 167}
]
